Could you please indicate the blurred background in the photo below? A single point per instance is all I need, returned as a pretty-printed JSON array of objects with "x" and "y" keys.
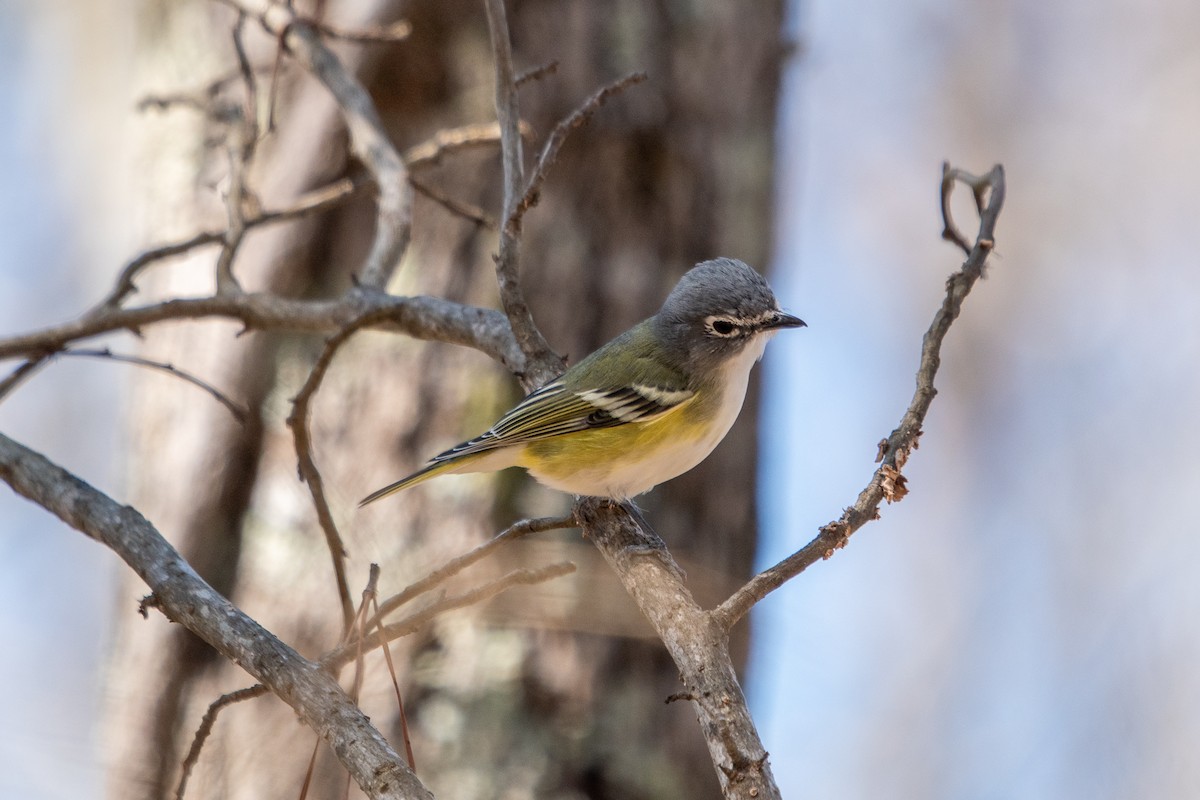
[{"x": 1025, "y": 623}]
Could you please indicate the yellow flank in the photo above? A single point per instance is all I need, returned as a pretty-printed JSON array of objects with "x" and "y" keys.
[{"x": 625, "y": 460}]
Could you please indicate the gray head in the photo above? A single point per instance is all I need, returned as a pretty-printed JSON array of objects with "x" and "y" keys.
[{"x": 717, "y": 309}]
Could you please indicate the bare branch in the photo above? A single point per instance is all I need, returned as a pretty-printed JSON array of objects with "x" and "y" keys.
[
  {"x": 368, "y": 139},
  {"x": 508, "y": 114},
  {"x": 457, "y": 565},
  {"x": 332, "y": 195},
  {"x": 201, "y": 99},
  {"x": 698, "y": 645},
  {"x": 125, "y": 285},
  {"x": 558, "y": 136},
  {"x": 357, "y": 630},
  {"x": 383, "y": 34},
  {"x": 421, "y": 317},
  {"x": 979, "y": 187},
  {"x": 387, "y": 655},
  {"x": 887, "y": 483},
  {"x": 21, "y": 374},
  {"x": 457, "y": 207},
  {"x": 542, "y": 363},
  {"x": 414, "y": 621},
  {"x": 298, "y": 422},
  {"x": 185, "y": 598},
  {"x": 205, "y": 729},
  {"x": 452, "y": 140},
  {"x": 535, "y": 74},
  {"x": 311, "y": 203},
  {"x": 239, "y": 412},
  {"x": 250, "y": 108},
  {"x": 520, "y": 196},
  {"x": 242, "y": 133}
]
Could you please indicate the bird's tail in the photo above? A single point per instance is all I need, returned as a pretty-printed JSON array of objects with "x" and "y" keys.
[
  {"x": 441, "y": 465},
  {"x": 430, "y": 470}
]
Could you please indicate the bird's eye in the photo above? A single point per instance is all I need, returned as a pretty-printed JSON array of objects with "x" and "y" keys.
[{"x": 722, "y": 327}]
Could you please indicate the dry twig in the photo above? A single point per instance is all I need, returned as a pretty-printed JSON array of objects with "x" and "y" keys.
[
  {"x": 298, "y": 422},
  {"x": 554, "y": 143},
  {"x": 479, "y": 594},
  {"x": 541, "y": 362},
  {"x": 457, "y": 565},
  {"x": 205, "y": 729},
  {"x": 330, "y": 196},
  {"x": 381, "y": 34},
  {"x": 368, "y": 139},
  {"x": 887, "y": 483}
]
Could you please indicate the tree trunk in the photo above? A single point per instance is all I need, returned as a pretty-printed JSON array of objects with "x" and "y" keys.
[{"x": 553, "y": 691}]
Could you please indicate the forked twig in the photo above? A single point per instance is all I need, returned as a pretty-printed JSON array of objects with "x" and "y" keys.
[
  {"x": 541, "y": 362},
  {"x": 951, "y": 176},
  {"x": 458, "y": 564},
  {"x": 332, "y": 195},
  {"x": 558, "y": 136},
  {"x": 887, "y": 482},
  {"x": 413, "y": 622},
  {"x": 369, "y": 140}
]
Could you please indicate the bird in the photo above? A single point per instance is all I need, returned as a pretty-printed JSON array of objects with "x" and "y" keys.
[{"x": 644, "y": 408}]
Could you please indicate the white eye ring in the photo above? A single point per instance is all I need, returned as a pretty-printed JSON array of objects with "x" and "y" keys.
[{"x": 723, "y": 327}]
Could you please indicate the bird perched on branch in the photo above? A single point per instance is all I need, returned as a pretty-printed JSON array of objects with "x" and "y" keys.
[{"x": 644, "y": 408}]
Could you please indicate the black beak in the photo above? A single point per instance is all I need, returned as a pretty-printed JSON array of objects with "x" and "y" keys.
[{"x": 785, "y": 320}]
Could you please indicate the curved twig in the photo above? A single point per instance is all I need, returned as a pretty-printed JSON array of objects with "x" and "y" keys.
[
  {"x": 205, "y": 729},
  {"x": 298, "y": 422},
  {"x": 332, "y": 195},
  {"x": 887, "y": 483},
  {"x": 239, "y": 412},
  {"x": 558, "y": 136}
]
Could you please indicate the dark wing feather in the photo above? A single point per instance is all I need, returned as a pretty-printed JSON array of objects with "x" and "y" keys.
[{"x": 554, "y": 410}]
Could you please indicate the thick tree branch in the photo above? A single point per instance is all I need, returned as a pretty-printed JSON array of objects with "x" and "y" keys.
[
  {"x": 887, "y": 483},
  {"x": 185, "y": 598},
  {"x": 421, "y": 317},
  {"x": 698, "y": 645}
]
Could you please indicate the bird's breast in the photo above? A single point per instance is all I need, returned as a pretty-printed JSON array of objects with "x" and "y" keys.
[{"x": 627, "y": 460}]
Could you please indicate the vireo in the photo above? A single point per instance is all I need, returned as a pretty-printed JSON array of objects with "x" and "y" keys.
[{"x": 644, "y": 408}]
